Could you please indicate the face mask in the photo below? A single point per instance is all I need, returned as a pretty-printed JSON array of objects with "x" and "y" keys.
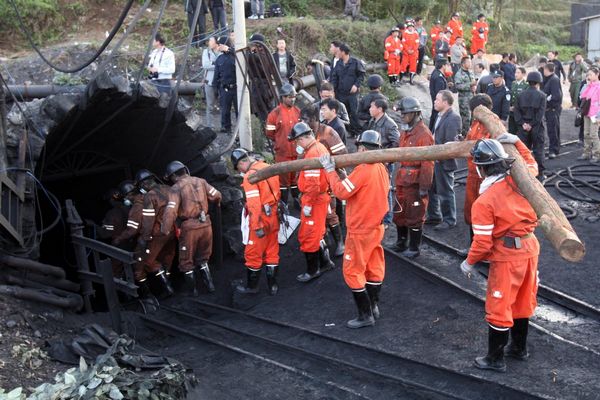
[
  {"x": 143, "y": 191},
  {"x": 242, "y": 174},
  {"x": 127, "y": 202},
  {"x": 299, "y": 149},
  {"x": 404, "y": 127}
]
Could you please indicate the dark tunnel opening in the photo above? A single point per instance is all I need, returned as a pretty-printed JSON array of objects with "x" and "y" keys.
[{"x": 103, "y": 142}]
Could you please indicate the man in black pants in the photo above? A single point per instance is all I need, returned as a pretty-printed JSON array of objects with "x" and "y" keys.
[
  {"x": 346, "y": 78},
  {"x": 225, "y": 79},
  {"x": 529, "y": 112},
  {"x": 554, "y": 97}
]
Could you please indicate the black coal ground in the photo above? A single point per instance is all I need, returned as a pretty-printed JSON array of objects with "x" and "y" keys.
[{"x": 421, "y": 320}]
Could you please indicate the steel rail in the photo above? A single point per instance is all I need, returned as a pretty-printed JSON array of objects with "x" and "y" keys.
[
  {"x": 437, "y": 278},
  {"x": 380, "y": 355},
  {"x": 554, "y": 295}
]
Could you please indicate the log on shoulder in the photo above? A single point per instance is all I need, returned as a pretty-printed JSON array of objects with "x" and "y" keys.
[{"x": 552, "y": 221}]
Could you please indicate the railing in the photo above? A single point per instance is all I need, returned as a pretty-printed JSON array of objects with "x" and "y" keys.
[{"x": 101, "y": 273}]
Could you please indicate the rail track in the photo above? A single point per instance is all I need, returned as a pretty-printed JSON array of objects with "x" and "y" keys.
[
  {"x": 349, "y": 369},
  {"x": 548, "y": 299},
  {"x": 553, "y": 295}
]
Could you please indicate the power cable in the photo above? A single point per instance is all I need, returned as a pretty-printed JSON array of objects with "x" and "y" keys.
[{"x": 104, "y": 45}]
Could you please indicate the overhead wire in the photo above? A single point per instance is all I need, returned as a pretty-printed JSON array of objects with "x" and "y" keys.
[{"x": 100, "y": 50}]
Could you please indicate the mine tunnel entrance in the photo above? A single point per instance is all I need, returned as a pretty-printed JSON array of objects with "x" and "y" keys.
[{"x": 104, "y": 140}]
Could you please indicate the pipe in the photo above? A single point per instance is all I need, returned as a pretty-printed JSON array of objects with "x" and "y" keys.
[
  {"x": 37, "y": 295},
  {"x": 14, "y": 280},
  {"x": 62, "y": 284},
  {"x": 186, "y": 88},
  {"x": 30, "y": 265}
]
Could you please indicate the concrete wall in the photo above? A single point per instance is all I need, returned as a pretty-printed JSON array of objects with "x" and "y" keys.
[
  {"x": 593, "y": 38},
  {"x": 578, "y": 27}
]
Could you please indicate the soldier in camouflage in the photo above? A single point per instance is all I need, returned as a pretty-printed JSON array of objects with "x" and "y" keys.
[{"x": 465, "y": 84}]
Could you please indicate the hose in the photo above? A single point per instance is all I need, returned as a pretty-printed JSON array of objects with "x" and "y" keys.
[{"x": 103, "y": 47}]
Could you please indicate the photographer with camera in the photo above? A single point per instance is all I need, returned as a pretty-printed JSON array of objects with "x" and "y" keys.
[{"x": 161, "y": 65}]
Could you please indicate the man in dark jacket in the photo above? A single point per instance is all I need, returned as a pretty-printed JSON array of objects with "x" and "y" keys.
[
  {"x": 346, "y": 78},
  {"x": 529, "y": 112},
  {"x": 198, "y": 26},
  {"x": 442, "y": 201},
  {"x": 329, "y": 111},
  {"x": 558, "y": 66},
  {"x": 284, "y": 61},
  {"x": 485, "y": 81},
  {"x": 225, "y": 80},
  {"x": 509, "y": 70},
  {"x": 554, "y": 96},
  {"x": 374, "y": 82},
  {"x": 500, "y": 95},
  {"x": 437, "y": 82}
]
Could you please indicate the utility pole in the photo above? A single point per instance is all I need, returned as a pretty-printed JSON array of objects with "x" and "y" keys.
[{"x": 243, "y": 96}]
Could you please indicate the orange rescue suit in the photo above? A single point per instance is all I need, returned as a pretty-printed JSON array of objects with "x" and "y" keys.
[
  {"x": 263, "y": 250},
  {"x": 479, "y": 131},
  {"x": 365, "y": 192},
  {"x": 436, "y": 33},
  {"x": 329, "y": 138},
  {"x": 392, "y": 54},
  {"x": 312, "y": 183},
  {"x": 457, "y": 30},
  {"x": 412, "y": 177},
  {"x": 500, "y": 215},
  {"x": 279, "y": 124},
  {"x": 410, "y": 51},
  {"x": 478, "y": 39}
]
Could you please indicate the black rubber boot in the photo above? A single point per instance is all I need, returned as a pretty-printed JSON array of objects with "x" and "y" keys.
[
  {"x": 251, "y": 287},
  {"x": 414, "y": 243},
  {"x": 365, "y": 314},
  {"x": 163, "y": 285},
  {"x": 517, "y": 348},
  {"x": 143, "y": 289},
  {"x": 271, "y": 271},
  {"x": 373, "y": 291},
  {"x": 325, "y": 263},
  {"x": 284, "y": 194},
  {"x": 494, "y": 360},
  {"x": 190, "y": 284},
  {"x": 312, "y": 268},
  {"x": 336, "y": 232},
  {"x": 296, "y": 196},
  {"x": 207, "y": 277},
  {"x": 401, "y": 239},
  {"x": 412, "y": 76}
]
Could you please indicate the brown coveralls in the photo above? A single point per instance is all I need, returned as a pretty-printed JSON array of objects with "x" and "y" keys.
[
  {"x": 113, "y": 225},
  {"x": 160, "y": 248},
  {"x": 188, "y": 203}
]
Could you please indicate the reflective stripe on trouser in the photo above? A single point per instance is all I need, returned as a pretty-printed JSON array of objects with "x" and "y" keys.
[
  {"x": 409, "y": 61},
  {"x": 161, "y": 253},
  {"x": 393, "y": 63},
  {"x": 364, "y": 259},
  {"x": 195, "y": 244},
  {"x": 512, "y": 290},
  {"x": 409, "y": 208},
  {"x": 332, "y": 217},
  {"x": 263, "y": 250},
  {"x": 312, "y": 229}
]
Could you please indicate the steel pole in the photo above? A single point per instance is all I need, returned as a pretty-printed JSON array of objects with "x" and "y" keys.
[{"x": 243, "y": 96}]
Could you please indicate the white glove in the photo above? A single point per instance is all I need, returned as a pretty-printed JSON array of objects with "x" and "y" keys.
[
  {"x": 327, "y": 162},
  {"x": 508, "y": 138},
  {"x": 307, "y": 211},
  {"x": 593, "y": 119},
  {"x": 467, "y": 269}
]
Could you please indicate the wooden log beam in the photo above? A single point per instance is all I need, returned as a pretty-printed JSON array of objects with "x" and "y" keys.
[
  {"x": 426, "y": 153},
  {"x": 552, "y": 221}
]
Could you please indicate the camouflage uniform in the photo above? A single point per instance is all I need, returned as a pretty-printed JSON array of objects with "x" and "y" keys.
[{"x": 463, "y": 82}]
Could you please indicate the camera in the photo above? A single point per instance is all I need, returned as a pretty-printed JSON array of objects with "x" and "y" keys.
[{"x": 152, "y": 75}]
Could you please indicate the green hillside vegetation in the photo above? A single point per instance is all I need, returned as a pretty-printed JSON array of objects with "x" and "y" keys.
[{"x": 525, "y": 27}]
